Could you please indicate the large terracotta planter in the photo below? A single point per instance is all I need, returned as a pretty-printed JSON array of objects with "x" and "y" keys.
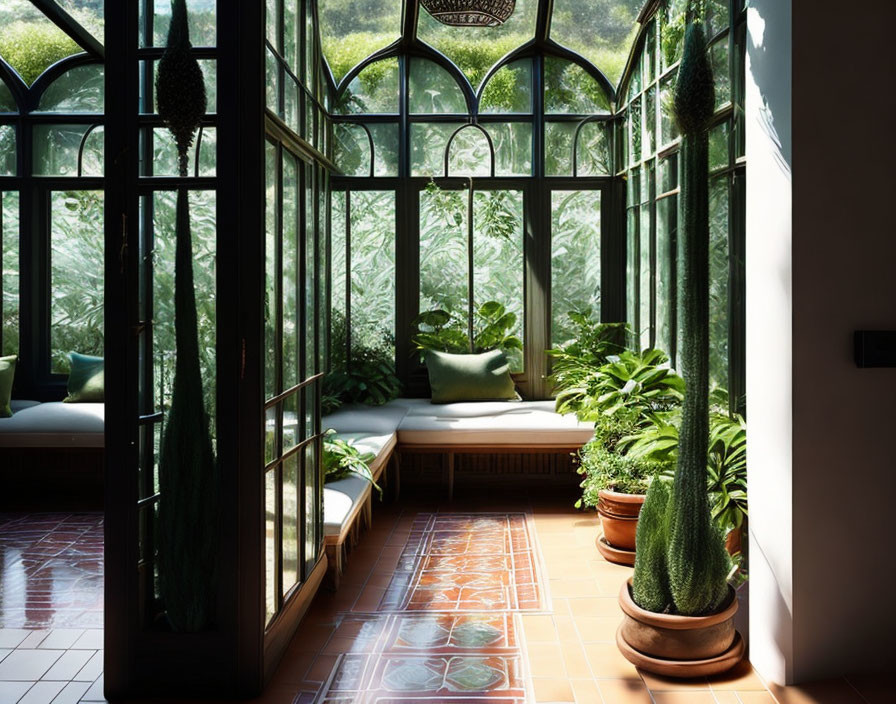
[
  {"x": 619, "y": 521},
  {"x": 679, "y": 646}
]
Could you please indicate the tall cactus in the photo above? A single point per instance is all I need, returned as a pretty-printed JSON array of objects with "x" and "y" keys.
[
  {"x": 697, "y": 561},
  {"x": 680, "y": 562},
  {"x": 188, "y": 479}
]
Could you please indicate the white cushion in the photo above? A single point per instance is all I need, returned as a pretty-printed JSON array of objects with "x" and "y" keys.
[
  {"x": 55, "y": 424},
  {"x": 523, "y": 423},
  {"x": 358, "y": 418},
  {"x": 21, "y": 404},
  {"x": 341, "y": 498},
  {"x": 380, "y": 446}
]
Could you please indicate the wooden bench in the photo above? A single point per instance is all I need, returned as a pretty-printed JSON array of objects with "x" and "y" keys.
[
  {"x": 419, "y": 426},
  {"x": 52, "y": 456}
]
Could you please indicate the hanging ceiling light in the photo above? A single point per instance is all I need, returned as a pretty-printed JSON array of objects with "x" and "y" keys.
[{"x": 470, "y": 13}]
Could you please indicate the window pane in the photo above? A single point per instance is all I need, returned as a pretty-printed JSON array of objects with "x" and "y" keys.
[
  {"x": 498, "y": 263},
  {"x": 644, "y": 276},
  {"x": 672, "y": 31},
  {"x": 30, "y": 42},
  {"x": 373, "y": 269},
  {"x": 310, "y": 282},
  {"x": 203, "y": 232},
  {"x": 470, "y": 154},
  {"x": 9, "y": 265},
  {"x": 164, "y": 161},
  {"x": 56, "y": 150},
  {"x": 290, "y": 538},
  {"x": 76, "y": 275},
  {"x": 509, "y": 89},
  {"x": 635, "y": 131},
  {"x": 201, "y": 15},
  {"x": 352, "y": 149},
  {"x": 666, "y": 227},
  {"x": 374, "y": 90},
  {"x": 631, "y": 269},
  {"x": 351, "y": 33},
  {"x": 290, "y": 277},
  {"x": 79, "y": 89},
  {"x": 593, "y": 153},
  {"x": 428, "y": 142},
  {"x": 568, "y": 89},
  {"x": 476, "y": 51},
  {"x": 443, "y": 251},
  {"x": 558, "y": 137},
  {"x": 338, "y": 294},
  {"x": 575, "y": 259},
  {"x": 433, "y": 90},
  {"x": 272, "y": 200},
  {"x": 718, "y": 146},
  {"x": 718, "y": 282},
  {"x": 7, "y": 150},
  {"x": 716, "y": 16},
  {"x": 649, "y": 122},
  {"x": 270, "y": 544},
  {"x": 513, "y": 148},
  {"x": 7, "y": 102},
  {"x": 718, "y": 54},
  {"x": 312, "y": 507},
  {"x": 669, "y": 128},
  {"x": 602, "y": 35}
]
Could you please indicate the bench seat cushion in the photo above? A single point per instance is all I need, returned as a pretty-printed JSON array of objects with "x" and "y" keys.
[
  {"x": 54, "y": 424},
  {"x": 523, "y": 423},
  {"x": 379, "y": 445},
  {"x": 358, "y": 418},
  {"x": 342, "y": 500}
]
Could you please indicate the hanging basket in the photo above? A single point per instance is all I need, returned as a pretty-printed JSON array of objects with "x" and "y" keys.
[{"x": 470, "y": 13}]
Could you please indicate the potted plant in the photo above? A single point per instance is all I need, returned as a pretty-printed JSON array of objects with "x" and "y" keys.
[
  {"x": 615, "y": 484},
  {"x": 678, "y": 607}
]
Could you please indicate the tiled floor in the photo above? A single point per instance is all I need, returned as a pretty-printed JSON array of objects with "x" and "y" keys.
[
  {"x": 516, "y": 627},
  {"x": 51, "y": 608}
]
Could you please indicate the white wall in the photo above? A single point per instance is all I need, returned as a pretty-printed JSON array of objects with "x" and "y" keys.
[{"x": 821, "y": 262}]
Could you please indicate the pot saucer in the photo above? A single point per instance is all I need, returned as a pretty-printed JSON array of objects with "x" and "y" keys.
[
  {"x": 612, "y": 554},
  {"x": 683, "y": 668}
]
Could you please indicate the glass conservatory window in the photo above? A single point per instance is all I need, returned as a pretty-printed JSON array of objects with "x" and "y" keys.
[
  {"x": 76, "y": 275},
  {"x": 570, "y": 90},
  {"x": 201, "y": 16},
  {"x": 30, "y": 42},
  {"x": 469, "y": 153},
  {"x": 433, "y": 90},
  {"x": 373, "y": 90},
  {"x": 351, "y": 32},
  {"x": 602, "y": 31},
  {"x": 80, "y": 89},
  {"x": 575, "y": 259},
  {"x": 7, "y": 102},
  {"x": 68, "y": 150},
  {"x": 9, "y": 268},
  {"x": 7, "y": 150},
  {"x": 475, "y": 52},
  {"x": 87, "y": 13},
  {"x": 509, "y": 90}
]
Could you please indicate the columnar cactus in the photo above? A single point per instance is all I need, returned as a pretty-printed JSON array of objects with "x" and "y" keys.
[
  {"x": 690, "y": 577},
  {"x": 188, "y": 479}
]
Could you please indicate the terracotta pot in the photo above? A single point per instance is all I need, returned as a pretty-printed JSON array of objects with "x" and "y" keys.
[
  {"x": 734, "y": 542},
  {"x": 679, "y": 646},
  {"x": 619, "y": 517}
]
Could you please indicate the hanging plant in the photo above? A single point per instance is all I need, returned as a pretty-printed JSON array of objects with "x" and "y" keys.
[{"x": 188, "y": 479}]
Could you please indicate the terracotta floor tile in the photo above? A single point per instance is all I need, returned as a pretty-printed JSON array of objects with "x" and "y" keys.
[
  {"x": 658, "y": 683},
  {"x": 596, "y": 607},
  {"x": 585, "y": 691},
  {"x": 539, "y": 628},
  {"x": 726, "y": 697},
  {"x": 545, "y": 659},
  {"x": 607, "y": 662},
  {"x": 369, "y": 599},
  {"x": 598, "y": 630},
  {"x": 552, "y": 690},
  {"x": 683, "y": 698},
  {"x": 740, "y": 678},
  {"x": 575, "y": 660},
  {"x": 321, "y": 668},
  {"x": 765, "y": 698},
  {"x": 837, "y": 691},
  {"x": 573, "y": 588},
  {"x": 625, "y": 691}
]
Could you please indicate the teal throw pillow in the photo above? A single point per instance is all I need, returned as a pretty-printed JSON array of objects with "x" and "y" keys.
[
  {"x": 469, "y": 377},
  {"x": 7, "y": 374},
  {"x": 86, "y": 379}
]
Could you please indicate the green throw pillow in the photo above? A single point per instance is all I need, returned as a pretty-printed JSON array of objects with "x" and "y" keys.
[
  {"x": 85, "y": 380},
  {"x": 469, "y": 377},
  {"x": 7, "y": 374}
]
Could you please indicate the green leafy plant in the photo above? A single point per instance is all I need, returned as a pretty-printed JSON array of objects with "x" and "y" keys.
[
  {"x": 592, "y": 343},
  {"x": 342, "y": 459},
  {"x": 367, "y": 377},
  {"x": 635, "y": 382},
  {"x": 606, "y": 466},
  {"x": 440, "y": 331},
  {"x": 681, "y": 545}
]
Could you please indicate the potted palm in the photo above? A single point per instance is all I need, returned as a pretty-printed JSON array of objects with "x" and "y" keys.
[{"x": 678, "y": 607}]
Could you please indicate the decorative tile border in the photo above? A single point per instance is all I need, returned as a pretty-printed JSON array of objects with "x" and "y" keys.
[{"x": 447, "y": 628}]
